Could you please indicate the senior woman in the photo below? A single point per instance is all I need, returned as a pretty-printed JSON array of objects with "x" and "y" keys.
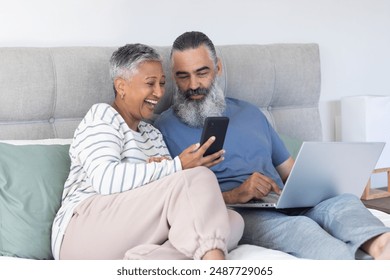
[{"x": 125, "y": 197}]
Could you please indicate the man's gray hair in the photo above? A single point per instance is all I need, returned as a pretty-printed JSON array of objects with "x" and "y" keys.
[
  {"x": 125, "y": 61},
  {"x": 193, "y": 40}
]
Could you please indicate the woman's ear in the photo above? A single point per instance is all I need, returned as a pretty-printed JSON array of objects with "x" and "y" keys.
[{"x": 119, "y": 85}]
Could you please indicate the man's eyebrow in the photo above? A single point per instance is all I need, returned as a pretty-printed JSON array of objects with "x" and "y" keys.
[
  {"x": 202, "y": 68},
  {"x": 178, "y": 73}
]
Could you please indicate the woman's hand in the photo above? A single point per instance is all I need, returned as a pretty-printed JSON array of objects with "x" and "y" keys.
[
  {"x": 193, "y": 155},
  {"x": 156, "y": 159}
]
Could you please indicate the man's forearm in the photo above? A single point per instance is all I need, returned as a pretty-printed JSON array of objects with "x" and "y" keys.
[{"x": 230, "y": 197}]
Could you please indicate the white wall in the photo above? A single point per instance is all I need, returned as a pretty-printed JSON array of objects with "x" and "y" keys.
[{"x": 354, "y": 35}]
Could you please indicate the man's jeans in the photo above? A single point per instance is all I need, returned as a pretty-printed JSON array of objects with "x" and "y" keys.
[{"x": 334, "y": 229}]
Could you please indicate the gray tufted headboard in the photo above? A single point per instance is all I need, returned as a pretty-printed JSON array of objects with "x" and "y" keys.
[{"x": 45, "y": 92}]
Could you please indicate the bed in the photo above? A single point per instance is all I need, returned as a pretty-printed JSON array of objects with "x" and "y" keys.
[{"x": 45, "y": 92}]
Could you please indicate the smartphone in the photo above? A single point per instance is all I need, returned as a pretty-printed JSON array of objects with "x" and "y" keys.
[{"x": 214, "y": 126}]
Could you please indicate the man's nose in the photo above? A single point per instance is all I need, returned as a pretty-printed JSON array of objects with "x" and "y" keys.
[{"x": 194, "y": 83}]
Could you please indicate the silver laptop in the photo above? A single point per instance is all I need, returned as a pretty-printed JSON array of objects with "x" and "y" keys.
[{"x": 323, "y": 170}]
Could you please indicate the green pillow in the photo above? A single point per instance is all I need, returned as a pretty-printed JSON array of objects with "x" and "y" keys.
[
  {"x": 32, "y": 178},
  {"x": 292, "y": 144}
]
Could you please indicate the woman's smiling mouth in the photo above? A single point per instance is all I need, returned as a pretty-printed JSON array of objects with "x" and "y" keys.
[{"x": 151, "y": 103}]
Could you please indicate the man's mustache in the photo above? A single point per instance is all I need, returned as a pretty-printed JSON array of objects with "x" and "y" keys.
[{"x": 199, "y": 91}]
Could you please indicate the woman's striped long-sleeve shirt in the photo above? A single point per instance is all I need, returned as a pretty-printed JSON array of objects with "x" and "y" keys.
[{"x": 108, "y": 157}]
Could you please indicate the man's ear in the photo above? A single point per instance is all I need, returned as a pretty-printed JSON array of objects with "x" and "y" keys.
[{"x": 219, "y": 67}]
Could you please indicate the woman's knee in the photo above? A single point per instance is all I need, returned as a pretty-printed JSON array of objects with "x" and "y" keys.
[
  {"x": 203, "y": 172},
  {"x": 203, "y": 177}
]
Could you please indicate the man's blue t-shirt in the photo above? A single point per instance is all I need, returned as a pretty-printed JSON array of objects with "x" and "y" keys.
[{"x": 251, "y": 143}]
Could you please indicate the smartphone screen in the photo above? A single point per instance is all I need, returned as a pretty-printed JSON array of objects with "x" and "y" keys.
[{"x": 214, "y": 126}]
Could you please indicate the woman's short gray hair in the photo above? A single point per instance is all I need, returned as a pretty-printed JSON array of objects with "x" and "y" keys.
[{"x": 125, "y": 61}]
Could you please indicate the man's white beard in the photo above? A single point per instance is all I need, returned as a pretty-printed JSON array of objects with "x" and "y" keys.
[{"x": 194, "y": 112}]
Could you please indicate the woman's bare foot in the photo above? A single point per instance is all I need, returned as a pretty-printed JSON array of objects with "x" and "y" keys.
[
  {"x": 214, "y": 254},
  {"x": 378, "y": 247}
]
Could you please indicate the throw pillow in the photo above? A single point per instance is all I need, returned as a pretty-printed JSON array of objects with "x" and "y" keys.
[
  {"x": 293, "y": 145},
  {"x": 31, "y": 184}
]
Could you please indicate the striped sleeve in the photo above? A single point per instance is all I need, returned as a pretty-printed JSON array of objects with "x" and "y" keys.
[{"x": 99, "y": 144}]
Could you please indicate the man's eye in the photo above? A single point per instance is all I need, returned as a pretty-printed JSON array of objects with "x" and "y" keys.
[
  {"x": 202, "y": 74},
  {"x": 182, "y": 77}
]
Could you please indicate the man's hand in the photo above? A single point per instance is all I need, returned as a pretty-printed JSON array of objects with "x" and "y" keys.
[
  {"x": 193, "y": 155},
  {"x": 255, "y": 187}
]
